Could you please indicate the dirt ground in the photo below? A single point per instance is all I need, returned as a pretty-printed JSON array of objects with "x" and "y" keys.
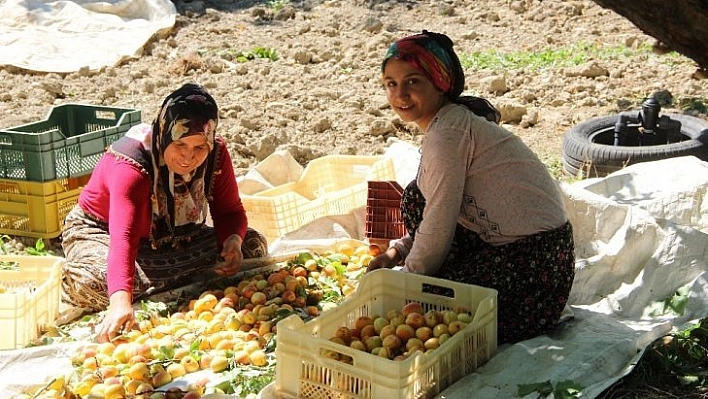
[{"x": 322, "y": 94}]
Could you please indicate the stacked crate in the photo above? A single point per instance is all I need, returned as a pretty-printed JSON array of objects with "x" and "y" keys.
[
  {"x": 384, "y": 221},
  {"x": 329, "y": 185},
  {"x": 45, "y": 164}
]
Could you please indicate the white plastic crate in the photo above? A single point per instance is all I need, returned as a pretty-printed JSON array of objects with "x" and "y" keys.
[
  {"x": 304, "y": 371},
  {"x": 330, "y": 185},
  {"x": 30, "y": 297}
]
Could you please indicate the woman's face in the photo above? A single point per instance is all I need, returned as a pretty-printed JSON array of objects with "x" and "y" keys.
[
  {"x": 186, "y": 154},
  {"x": 410, "y": 93}
]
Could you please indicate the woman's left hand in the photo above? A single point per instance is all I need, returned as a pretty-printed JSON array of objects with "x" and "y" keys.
[{"x": 233, "y": 257}]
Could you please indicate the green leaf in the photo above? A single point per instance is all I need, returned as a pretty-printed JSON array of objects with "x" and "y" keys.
[
  {"x": 165, "y": 353},
  {"x": 303, "y": 257},
  {"x": 677, "y": 303},
  {"x": 567, "y": 389},
  {"x": 194, "y": 346}
]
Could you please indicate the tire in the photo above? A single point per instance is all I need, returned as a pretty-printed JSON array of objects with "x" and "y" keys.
[{"x": 589, "y": 150}]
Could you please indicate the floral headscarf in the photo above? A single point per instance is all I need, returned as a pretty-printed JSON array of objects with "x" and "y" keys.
[
  {"x": 180, "y": 201},
  {"x": 433, "y": 55}
]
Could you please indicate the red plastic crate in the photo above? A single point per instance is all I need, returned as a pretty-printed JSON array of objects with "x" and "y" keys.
[{"x": 384, "y": 221}]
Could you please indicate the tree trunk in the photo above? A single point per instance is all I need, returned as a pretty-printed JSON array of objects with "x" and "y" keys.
[{"x": 681, "y": 25}]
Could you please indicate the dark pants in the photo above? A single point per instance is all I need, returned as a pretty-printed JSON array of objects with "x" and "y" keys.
[{"x": 532, "y": 275}]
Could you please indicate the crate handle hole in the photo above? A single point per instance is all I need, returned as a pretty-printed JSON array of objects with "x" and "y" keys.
[
  {"x": 438, "y": 290},
  {"x": 334, "y": 355},
  {"x": 107, "y": 115}
]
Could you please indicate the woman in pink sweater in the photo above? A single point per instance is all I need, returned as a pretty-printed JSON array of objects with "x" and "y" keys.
[
  {"x": 483, "y": 208},
  {"x": 139, "y": 225}
]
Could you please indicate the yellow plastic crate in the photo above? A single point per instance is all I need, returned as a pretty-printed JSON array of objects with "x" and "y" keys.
[
  {"x": 330, "y": 185},
  {"x": 30, "y": 297},
  {"x": 34, "y": 209},
  {"x": 303, "y": 370}
]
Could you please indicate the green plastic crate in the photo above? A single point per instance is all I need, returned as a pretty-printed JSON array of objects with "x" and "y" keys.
[{"x": 68, "y": 143}]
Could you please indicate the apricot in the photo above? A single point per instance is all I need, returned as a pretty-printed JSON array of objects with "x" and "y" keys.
[
  {"x": 139, "y": 371},
  {"x": 311, "y": 265},
  {"x": 405, "y": 332},
  {"x": 424, "y": 333},
  {"x": 362, "y": 321},
  {"x": 161, "y": 378},
  {"x": 176, "y": 370},
  {"x": 346, "y": 249},
  {"x": 379, "y": 323},
  {"x": 190, "y": 364},
  {"x": 258, "y": 298},
  {"x": 414, "y": 344},
  {"x": 455, "y": 327},
  {"x": 299, "y": 271},
  {"x": 358, "y": 345},
  {"x": 374, "y": 250},
  {"x": 392, "y": 342},
  {"x": 258, "y": 358},
  {"x": 206, "y": 302},
  {"x": 432, "y": 343},
  {"x": 219, "y": 363},
  {"x": 465, "y": 317},
  {"x": 415, "y": 320},
  {"x": 412, "y": 307},
  {"x": 387, "y": 330},
  {"x": 275, "y": 278}
]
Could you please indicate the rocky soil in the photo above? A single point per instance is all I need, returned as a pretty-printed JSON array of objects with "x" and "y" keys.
[{"x": 322, "y": 94}]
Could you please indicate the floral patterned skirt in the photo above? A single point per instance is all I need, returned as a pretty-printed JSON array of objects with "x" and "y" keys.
[
  {"x": 533, "y": 275},
  {"x": 85, "y": 241}
]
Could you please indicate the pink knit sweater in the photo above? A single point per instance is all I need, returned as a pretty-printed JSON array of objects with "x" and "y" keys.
[{"x": 119, "y": 194}]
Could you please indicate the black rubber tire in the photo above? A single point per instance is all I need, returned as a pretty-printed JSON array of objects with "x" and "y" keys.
[{"x": 588, "y": 149}]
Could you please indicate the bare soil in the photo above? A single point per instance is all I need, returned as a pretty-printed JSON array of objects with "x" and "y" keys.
[{"x": 322, "y": 94}]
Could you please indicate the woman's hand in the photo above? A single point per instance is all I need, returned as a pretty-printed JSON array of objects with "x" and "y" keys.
[
  {"x": 386, "y": 260},
  {"x": 233, "y": 257},
  {"x": 119, "y": 317}
]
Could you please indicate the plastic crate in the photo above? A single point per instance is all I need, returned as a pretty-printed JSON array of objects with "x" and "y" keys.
[
  {"x": 68, "y": 143},
  {"x": 30, "y": 299},
  {"x": 304, "y": 371},
  {"x": 37, "y": 209},
  {"x": 383, "y": 213},
  {"x": 330, "y": 185}
]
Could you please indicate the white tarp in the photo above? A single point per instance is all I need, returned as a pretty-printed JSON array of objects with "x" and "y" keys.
[
  {"x": 65, "y": 36},
  {"x": 641, "y": 234}
]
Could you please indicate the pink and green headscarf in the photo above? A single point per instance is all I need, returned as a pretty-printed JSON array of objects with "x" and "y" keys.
[{"x": 432, "y": 54}]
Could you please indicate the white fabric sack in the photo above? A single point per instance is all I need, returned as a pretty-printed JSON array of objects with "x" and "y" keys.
[{"x": 65, "y": 36}]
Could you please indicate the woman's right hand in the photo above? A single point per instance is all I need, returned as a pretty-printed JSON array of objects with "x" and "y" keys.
[
  {"x": 119, "y": 317},
  {"x": 385, "y": 260}
]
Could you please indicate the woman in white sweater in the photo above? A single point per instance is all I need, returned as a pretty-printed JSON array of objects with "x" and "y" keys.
[{"x": 483, "y": 208}]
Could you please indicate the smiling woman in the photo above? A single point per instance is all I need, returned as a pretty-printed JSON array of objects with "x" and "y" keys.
[
  {"x": 186, "y": 154},
  {"x": 483, "y": 208},
  {"x": 139, "y": 225}
]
